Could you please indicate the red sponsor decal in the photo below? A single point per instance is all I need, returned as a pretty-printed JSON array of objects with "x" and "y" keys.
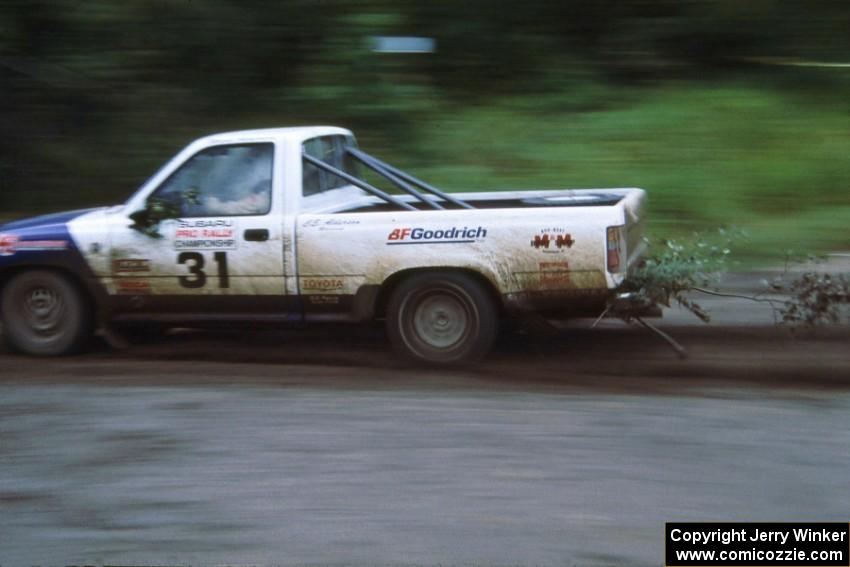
[
  {"x": 556, "y": 241},
  {"x": 12, "y": 243},
  {"x": 204, "y": 233},
  {"x": 7, "y": 244},
  {"x": 554, "y": 274},
  {"x": 399, "y": 234},
  {"x": 134, "y": 287}
]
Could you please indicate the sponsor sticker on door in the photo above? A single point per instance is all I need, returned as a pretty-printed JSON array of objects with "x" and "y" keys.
[{"x": 205, "y": 234}]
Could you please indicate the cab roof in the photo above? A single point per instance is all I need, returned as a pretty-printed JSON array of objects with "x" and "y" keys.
[{"x": 295, "y": 134}]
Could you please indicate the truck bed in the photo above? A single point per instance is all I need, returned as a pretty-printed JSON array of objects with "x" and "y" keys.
[{"x": 507, "y": 200}]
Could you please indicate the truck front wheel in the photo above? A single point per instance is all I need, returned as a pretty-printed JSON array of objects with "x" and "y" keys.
[
  {"x": 44, "y": 314},
  {"x": 442, "y": 318}
]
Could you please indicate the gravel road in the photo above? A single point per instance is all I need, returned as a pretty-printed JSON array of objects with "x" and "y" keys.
[{"x": 316, "y": 447}]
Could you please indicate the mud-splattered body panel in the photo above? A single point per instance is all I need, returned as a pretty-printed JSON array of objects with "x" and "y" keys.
[{"x": 525, "y": 250}]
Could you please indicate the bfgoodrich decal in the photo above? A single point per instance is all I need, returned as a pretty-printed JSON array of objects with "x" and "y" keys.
[{"x": 454, "y": 235}]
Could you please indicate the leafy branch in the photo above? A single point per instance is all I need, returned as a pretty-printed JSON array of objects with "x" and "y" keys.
[
  {"x": 678, "y": 269},
  {"x": 816, "y": 299}
]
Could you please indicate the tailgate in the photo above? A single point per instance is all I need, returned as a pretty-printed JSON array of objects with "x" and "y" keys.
[
  {"x": 625, "y": 245},
  {"x": 633, "y": 206}
]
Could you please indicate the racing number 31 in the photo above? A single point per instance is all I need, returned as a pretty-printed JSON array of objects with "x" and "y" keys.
[{"x": 197, "y": 276}]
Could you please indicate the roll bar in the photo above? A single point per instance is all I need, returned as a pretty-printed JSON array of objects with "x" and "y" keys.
[{"x": 400, "y": 179}]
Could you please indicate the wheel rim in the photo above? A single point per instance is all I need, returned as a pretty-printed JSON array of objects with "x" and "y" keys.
[
  {"x": 441, "y": 320},
  {"x": 43, "y": 309}
]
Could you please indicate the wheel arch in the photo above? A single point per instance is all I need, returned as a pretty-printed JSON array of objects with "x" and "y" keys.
[{"x": 394, "y": 280}]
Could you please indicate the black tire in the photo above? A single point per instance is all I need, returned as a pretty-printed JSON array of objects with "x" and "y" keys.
[
  {"x": 45, "y": 314},
  {"x": 442, "y": 318}
]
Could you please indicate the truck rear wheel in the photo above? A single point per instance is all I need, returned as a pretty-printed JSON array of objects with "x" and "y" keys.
[
  {"x": 442, "y": 318},
  {"x": 44, "y": 314}
]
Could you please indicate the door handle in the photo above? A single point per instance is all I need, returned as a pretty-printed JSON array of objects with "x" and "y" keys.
[{"x": 256, "y": 235}]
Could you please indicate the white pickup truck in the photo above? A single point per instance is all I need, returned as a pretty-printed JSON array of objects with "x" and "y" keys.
[{"x": 280, "y": 226}]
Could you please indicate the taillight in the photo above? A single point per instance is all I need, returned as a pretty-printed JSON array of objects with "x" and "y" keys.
[{"x": 616, "y": 248}]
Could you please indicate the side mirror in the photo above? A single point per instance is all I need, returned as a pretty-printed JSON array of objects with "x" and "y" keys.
[{"x": 157, "y": 209}]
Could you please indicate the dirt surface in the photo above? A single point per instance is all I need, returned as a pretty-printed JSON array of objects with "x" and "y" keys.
[{"x": 317, "y": 446}]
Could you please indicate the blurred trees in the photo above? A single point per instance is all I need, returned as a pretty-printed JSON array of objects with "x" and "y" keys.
[{"x": 95, "y": 94}]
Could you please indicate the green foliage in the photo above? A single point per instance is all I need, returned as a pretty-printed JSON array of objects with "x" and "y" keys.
[
  {"x": 733, "y": 153},
  {"x": 674, "y": 269}
]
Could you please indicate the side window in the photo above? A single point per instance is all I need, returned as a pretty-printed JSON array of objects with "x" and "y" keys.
[
  {"x": 222, "y": 180},
  {"x": 331, "y": 150}
]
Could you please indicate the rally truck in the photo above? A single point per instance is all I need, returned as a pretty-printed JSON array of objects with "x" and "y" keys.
[{"x": 289, "y": 226}]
